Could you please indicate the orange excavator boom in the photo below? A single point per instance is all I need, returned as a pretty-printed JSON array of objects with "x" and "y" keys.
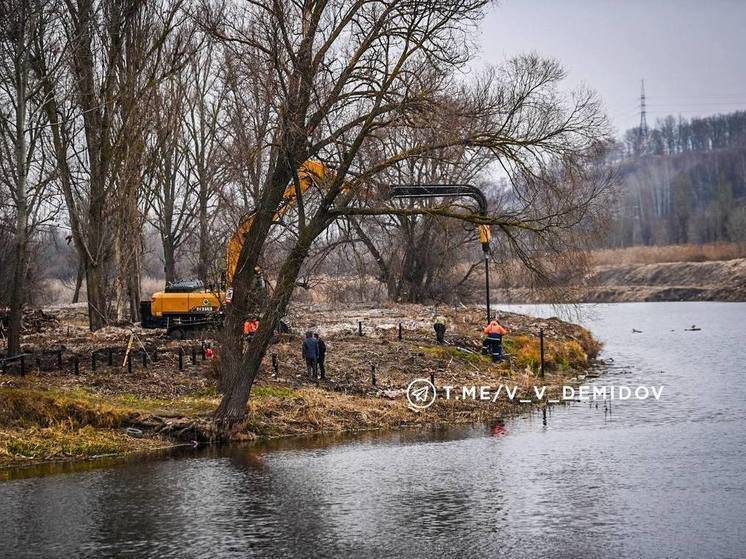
[{"x": 308, "y": 174}]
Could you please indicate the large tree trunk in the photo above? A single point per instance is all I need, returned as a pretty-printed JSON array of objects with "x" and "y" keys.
[
  {"x": 242, "y": 372},
  {"x": 97, "y": 299},
  {"x": 244, "y": 296},
  {"x": 239, "y": 374},
  {"x": 128, "y": 248},
  {"x": 120, "y": 281},
  {"x": 133, "y": 282},
  {"x": 17, "y": 292},
  {"x": 169, "y": 259}
]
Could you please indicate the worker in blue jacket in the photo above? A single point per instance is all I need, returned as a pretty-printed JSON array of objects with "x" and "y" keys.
[{"x": 311, "y": 355}]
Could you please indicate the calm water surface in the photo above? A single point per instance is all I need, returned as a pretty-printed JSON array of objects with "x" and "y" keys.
[{"x": 645, "y": 479}]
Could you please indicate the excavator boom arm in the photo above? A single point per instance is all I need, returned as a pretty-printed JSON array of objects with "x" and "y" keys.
[{"x": 308, "y": 173}]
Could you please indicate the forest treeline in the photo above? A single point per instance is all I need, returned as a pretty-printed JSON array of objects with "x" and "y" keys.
[{"x": 685, "y": 184}]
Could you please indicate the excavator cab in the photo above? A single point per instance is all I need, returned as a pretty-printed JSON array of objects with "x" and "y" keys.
[{"x": 182, "y": 306}]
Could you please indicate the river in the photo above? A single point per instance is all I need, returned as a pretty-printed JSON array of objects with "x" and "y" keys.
[{"x": 651, "y": 478}]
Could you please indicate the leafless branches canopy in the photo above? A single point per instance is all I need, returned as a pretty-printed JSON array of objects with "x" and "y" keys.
[
  {"x": 375, "y": 91},
  {"x": 184, "y": 116}
]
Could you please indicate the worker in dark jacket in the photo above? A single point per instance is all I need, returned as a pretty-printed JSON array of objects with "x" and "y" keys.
[
  {"x": 311, "y": 354},
  {"x": 322, "y": 354}
]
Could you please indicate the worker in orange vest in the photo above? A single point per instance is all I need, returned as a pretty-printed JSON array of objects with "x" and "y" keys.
[
  {"x": 494, "y": 340},
  {"x": 250, "y": 327}
]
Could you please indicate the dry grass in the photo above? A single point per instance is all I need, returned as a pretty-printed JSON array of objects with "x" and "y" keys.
[
  {"x": 561, "y": 355},
  {"x": 25, "y": 407},
  {"x": 62, "y": 442},
  {"x": 313, "y": 410},
  {"x": 55, "y": 291},
  {"x": 42, "y": 425},
  {"x": 670, "y": 253},
  {"x": 58, "y": 416}
]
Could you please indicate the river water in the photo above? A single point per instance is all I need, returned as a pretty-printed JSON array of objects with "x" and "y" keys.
[{"x": 648, "y": 478}]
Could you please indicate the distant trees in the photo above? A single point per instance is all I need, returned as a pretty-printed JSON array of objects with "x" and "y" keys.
[
  {"x": 672, "y": 135},
  {"x": 26, "y": 168},
  {"x": 687, "y": 186},
  {"x": 97, "y": 101}
]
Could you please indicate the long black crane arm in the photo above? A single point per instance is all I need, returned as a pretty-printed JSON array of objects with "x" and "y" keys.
[
  {"x": 441, "y": 191},
  {"x": 448, "y": 191},
  {"x": 455, "y": 191}
]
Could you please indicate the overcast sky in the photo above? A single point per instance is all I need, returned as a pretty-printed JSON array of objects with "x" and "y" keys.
[{"x": 692, "y": 53}]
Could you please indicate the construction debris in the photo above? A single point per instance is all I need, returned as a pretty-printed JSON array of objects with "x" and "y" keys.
[{"x": 34, "y": 321}]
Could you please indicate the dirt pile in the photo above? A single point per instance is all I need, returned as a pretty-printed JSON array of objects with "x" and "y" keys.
[
  {"x": 719, "y": 280},
  {"x": 34, "y": 321}
]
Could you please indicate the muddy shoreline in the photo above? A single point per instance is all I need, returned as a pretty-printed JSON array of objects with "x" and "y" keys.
[{"x": 58, "y": 416}]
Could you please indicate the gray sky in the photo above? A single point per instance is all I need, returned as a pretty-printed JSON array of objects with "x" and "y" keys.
[{"x": 691, "y": 53}]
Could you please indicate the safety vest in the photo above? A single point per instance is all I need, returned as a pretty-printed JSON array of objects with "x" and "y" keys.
[
  {"x": 494, "y": 328},
  {"x": 250, "y": 326}
]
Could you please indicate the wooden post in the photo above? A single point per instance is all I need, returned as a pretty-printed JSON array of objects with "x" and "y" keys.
[
  {"x": 432, "y": 377},
  {"x": 541, "y": 351},
  {"x": 181, "y": 359},
  {"x": 274, "y": 364},
  {"x": 373, "y": 374},
  {"x": 400, "y": 330},
  {"x": 359, "y": 328}
]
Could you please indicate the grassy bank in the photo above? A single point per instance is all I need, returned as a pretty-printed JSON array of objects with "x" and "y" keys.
[{"x": 49, "y": 417}]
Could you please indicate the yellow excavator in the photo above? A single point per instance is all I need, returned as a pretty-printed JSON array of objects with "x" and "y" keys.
[{"x": 185, "y": 306}]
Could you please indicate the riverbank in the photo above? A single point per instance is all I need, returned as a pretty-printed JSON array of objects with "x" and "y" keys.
[
  {"x": 709, "y": 272},
  {"x": 55, "y": 415},
  {"x": 723, "y": 281}
]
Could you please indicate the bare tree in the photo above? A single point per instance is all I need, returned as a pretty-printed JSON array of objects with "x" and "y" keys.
[
  {"x": 171, "y": 181},
  {"x": 25, "y": 169},
  {"x": 115, "y": 55},
  {"x": 205, "y": 154},
  {"x": 346, "y": 72},
  {"x": 423, "y": 257}
]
